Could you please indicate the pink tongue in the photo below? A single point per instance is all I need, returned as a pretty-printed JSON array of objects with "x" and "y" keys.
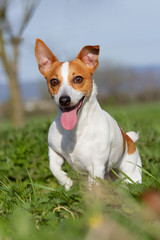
[{"x": 69, "y": 119}]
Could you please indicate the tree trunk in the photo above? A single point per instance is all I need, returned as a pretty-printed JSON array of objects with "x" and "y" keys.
[{"x": 16, "y": 104}]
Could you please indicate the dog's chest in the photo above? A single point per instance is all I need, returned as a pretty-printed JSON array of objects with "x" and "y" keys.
[
  {"x": 78, "y": 150},
  {"x": 85, "y": 145}
]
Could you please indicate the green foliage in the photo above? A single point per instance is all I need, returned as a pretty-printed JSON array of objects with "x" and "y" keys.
[{"x": 34, "y": 206}]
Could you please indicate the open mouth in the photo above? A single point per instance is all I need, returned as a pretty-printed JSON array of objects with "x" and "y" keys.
[{"x": 69, "y": 115}]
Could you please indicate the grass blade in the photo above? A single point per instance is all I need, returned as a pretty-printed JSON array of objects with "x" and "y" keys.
[
  {"x": 43, "y": 187},
  {"x": 30, "y": 180}
]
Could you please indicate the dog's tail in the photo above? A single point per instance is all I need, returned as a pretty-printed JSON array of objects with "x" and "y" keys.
[{"x": 133, "y": 135}]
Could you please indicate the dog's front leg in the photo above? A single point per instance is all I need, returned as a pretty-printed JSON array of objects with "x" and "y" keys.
[{"x": 55, "y": 163}]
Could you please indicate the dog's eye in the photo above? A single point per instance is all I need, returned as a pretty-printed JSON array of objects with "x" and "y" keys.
[
  {"x": 78, "y": 79},
  {"x": 54, "y": 82}
]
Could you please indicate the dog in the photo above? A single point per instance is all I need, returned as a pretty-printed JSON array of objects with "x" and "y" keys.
[{"x": 83, "y": 134}]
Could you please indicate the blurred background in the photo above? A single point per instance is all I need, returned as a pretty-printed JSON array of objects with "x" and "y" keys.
[{"x": 127, "y": 31}]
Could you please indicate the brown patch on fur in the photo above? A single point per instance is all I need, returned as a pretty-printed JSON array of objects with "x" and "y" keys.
[
  {"x": 55, "y": 73},
  {"x": 130, "y": 144},
  {"x": 78, "y": 68}
]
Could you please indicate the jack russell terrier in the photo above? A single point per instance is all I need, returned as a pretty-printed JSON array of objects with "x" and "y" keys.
[{"x": 84, "y": 135}]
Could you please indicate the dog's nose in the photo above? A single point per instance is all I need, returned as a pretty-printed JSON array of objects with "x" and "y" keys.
[{"x": 65, "y": 100}]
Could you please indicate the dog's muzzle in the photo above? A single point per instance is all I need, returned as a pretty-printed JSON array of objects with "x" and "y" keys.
[{"x": 69, "y": 115}]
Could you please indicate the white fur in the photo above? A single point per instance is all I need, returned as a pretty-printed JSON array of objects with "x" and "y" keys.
[
  {"x": 64, "y": 72},
  {"x": 94, "y": 146}
]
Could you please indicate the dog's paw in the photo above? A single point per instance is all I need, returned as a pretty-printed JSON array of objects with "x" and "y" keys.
[{"x": 68, "y": 184}]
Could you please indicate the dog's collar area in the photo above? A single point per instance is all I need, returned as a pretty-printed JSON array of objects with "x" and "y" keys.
[{"x": 77, "y": 106}]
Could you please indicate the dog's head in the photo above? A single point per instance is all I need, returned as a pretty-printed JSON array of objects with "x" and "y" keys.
[{"x": 68, "y": 82}]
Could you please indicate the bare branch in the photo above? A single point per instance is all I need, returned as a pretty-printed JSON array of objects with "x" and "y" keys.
[
  {"x": 5, "y": 25},
  {"x": 27, "y": 17}
]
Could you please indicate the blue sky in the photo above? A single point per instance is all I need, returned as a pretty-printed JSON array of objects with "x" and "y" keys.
[{"x": 128, "y": 31}]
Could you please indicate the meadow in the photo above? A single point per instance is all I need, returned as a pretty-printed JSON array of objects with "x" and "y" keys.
[{"x": 34, "y": 206}]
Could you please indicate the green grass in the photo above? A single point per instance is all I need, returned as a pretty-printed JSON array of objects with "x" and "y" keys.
[{"x": 34, "y": 206}]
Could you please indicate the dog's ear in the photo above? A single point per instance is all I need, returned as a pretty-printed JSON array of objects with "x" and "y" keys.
[
  {"x": 44, "y": 56},
  {"x": 89, "y": 55}
]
